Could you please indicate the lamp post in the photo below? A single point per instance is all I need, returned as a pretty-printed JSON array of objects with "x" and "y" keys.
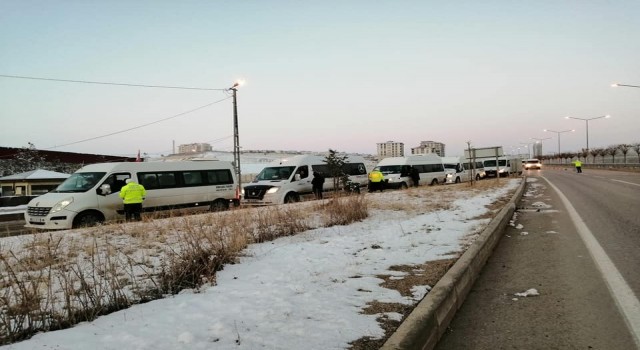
[
  {"x": 559, "y": 132},
  {"x": 539, "y": 140},
  {"x": 528, "y": 151},
  {"x": 587, "y": 122},
  {"x": 236, "y": 137},
  {"x": 625, "y": 85}
]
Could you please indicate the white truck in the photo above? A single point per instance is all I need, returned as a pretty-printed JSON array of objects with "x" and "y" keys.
[
  {"x": 286, "y": 180},
  {"x": 396, "y": 170},
  {"x": 91, "y": 194},
  {"x": 459, "y": 170}
]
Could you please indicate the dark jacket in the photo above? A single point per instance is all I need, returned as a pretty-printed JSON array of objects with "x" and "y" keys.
[{"x": 318, "y": 181}]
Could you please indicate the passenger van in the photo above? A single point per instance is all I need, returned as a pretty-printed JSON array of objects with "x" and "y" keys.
[
  {"x": 506, "y": 166},
  {"x": 460, "y": 171},
  {"x": 396, "y": 170},
  {"x": 284, "y": 181},
  {"x": 91, "y": 194}
]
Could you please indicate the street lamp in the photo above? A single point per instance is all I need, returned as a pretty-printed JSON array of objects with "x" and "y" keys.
[
  {"x": 559, "y": 132},
  {"x": 539, "y": 140},
  {"x": 236, "y": 137},
  {"x": 587, "y": 121},
  {"x": 632, "y": 86},
  {"x": 528, "y": 152}
]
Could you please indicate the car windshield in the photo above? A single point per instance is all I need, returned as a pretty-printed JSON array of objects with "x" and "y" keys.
[
  {"x": 451, "y": 166},
  {"x": 533, "y": 161},
  {"x": 275, "y": 173},
  {"x": 79, "y": 182}
]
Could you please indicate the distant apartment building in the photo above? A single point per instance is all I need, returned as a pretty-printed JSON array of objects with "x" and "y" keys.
[
  {"x": 429, "y": 147},
  {"x": 537, "y": 150},
  {"x": 194, "y": 148},
  {"x": 390, "y": 149}
]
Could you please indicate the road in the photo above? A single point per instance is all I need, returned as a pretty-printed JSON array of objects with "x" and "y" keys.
[{"x": 582, "y": 259}]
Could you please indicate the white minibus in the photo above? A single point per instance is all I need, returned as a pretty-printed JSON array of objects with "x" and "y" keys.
[
  {"x": 460, "y": 170},
  {"x": 91, "y": 195},
  {"x": 285, "y": 180},
  {"x": 396, "y": 170}
]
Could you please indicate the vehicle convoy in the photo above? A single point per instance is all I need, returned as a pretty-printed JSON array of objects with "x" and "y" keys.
[
  {"x": 396, "y": 170},
  {"x": 459, "y": 170},
  {"x": 532, "y": 164},
  {"x": 286, "y": 180},
  {"x": 90, "y": 195}
]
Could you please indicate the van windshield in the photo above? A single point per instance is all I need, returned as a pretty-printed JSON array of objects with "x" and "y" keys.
[
  {"x": 275, "y": 173},
  {"x": 391, "y": 169},
  {"x": 79, "y": 182},
  {"x": 491, "y": 163}
]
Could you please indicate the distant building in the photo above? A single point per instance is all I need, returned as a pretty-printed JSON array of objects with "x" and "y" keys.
[
  {"x": 429, "y": 147},
  {"x": 31, "y": 183},
  {"x": 390, "y": 149},
  {"x": 194, "y": 148},
  {"x": 537, "y": 150}
]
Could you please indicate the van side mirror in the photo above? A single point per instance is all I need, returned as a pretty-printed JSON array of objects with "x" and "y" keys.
[
  {"x": 104, "y": 190},
  {"x": 296, "y": 177}
]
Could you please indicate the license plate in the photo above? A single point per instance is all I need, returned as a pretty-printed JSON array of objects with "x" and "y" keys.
[{"x": 36, "y": 220}]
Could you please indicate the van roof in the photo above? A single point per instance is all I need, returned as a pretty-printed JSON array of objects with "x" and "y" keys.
[{"x": 159, "y": 166}]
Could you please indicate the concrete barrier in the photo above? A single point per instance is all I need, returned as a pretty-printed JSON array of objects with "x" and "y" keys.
[{"x": 431, "y": 317}]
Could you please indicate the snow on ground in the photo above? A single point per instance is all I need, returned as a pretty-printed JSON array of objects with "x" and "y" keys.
[{"x": 300, "y": 292}]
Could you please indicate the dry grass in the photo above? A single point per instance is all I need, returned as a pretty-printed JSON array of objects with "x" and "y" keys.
[{"x": 56, "y": 280}]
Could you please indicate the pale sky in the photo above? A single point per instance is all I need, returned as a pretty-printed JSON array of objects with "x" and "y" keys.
[{"x": 343, "y": 75}]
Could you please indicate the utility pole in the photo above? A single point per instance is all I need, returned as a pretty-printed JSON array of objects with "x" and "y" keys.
[{"x": 236, "y": 141}]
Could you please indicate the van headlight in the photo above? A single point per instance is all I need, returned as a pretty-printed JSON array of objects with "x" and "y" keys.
[
  {"x": 273, "y": 190},
  {"x": 61, "y": 205},
  {"x": 449, "y": 175}
]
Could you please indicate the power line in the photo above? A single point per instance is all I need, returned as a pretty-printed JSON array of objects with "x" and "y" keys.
[
  {"x": 108, "y": 83},
  {"x": 139, "y": 126}
]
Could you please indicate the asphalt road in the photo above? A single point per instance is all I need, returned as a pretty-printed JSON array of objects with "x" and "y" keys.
[{"x": 578, "y": 306}]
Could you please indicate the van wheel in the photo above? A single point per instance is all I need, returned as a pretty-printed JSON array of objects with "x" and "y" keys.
[
  {"x": 434, "y": 182},
  {"x": 219, "y": 205},
  {"x": 457, "y": 180},
  {"x": 291, "y": 198},
  {"x": 87, "y": 219},
  {"x": 403, "y": 186},
  {"x": 477, "y": 177}
]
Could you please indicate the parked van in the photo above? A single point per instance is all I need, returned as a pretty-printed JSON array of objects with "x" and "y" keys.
[
  {"x": 506, "y": 166},
  {"x": 91, "y": 195},
  {"x": 284, "y": 181},
  {"x": 396, "y": 170},
  {"x": 460, "y": 171}
]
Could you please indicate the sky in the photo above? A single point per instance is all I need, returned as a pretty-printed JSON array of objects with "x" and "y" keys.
[
  {"x": 342, "y": 75},
  {"x": 302, "y": 291}
]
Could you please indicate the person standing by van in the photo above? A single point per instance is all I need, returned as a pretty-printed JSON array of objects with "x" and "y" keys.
[
  {"x": 415, "y": 176},
  {"x": 316, "y": 184},
  {"x": 376, "y": 179},
  {"x": 132, "y": 195}
]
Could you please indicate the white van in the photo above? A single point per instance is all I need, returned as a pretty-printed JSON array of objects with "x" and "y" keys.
[
  {"x": 460, "y": 170},
  {"x": 284, "y": 181},
  {"x": 396, "y": 170},
  {"x": 506, "y": 166},
  {"x": 91, "y": 195}
]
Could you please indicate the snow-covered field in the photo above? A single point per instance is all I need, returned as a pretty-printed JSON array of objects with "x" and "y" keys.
[{"x": 300, "y": 292}]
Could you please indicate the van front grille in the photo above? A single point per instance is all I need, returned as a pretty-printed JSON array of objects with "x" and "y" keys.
[{"x": 38, "y": 211}]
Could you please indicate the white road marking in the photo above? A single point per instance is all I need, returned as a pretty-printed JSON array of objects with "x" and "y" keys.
[
  {"x": 627, "y": 302},
  {"x": 626, "y": 182}
]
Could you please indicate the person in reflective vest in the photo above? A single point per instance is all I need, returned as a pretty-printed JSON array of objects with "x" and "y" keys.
[
  {"x": 376, "y": 181},
  {"x": 578, "y": 165},
  {"x": 132, "y": 195}
]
